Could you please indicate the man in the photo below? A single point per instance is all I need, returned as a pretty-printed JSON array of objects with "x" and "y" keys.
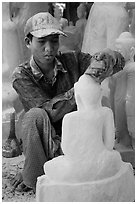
[{"x": 45, "y": 87}]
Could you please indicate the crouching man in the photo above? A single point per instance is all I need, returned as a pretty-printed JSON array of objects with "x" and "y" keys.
[{"x": 45, "y": 87}]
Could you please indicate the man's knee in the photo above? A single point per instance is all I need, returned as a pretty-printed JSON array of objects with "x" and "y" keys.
[{"x": 36, "y": 114}]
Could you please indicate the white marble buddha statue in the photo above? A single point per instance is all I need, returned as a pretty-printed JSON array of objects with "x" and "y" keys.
[
  {"x": 81, "y": 23},
  {"x": 58, "y": 14},
  {"x": 90, "y": 170},
  {"x": 82, "y": 15},
  {"x": 87, "y": 139},
  {"x": 123, "y": 91},
  {"x": 106, "y": 21}
]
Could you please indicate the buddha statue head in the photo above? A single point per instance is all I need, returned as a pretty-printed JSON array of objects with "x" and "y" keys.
[
  {"x": 82, "y": 11},
  {"x": 58, "y": 10},
  {"x": 125, "y": 44},
  {"x": 87, "y": 92}
]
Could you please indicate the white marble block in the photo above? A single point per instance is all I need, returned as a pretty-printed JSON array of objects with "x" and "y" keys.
[{"x": 118, "y": 188}]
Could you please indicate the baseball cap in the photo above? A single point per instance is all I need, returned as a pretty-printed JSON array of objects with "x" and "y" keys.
[{"x": 43, "y": 24}]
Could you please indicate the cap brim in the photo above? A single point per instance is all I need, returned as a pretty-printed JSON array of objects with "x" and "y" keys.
[{"x": 45, "y": 32}]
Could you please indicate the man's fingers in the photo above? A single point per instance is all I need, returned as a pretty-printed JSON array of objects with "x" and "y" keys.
[
  {"x": 12, "y": 181},
  {"x": 16, "y": 183},
  {"x": 18, "y": 179}
]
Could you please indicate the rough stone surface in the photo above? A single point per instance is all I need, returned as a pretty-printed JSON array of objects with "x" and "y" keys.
[{"x": 113, "y": 189}]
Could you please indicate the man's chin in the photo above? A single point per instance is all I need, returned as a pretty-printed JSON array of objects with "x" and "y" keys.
[{"x": 48, "y": 59}]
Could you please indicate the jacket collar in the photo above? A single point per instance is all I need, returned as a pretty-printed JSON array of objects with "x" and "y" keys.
[{"x": 37, "y": 72}]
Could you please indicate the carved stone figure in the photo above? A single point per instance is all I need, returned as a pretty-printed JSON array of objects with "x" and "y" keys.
[
  {"x": 93, "y": 134},
  {"x": 106, "y": 21},
  {"x": 81, "y": 22},
  {"x": 58, "y": 14},
  {"x": 123, "y": 92},
  {"x": 11, "y": 56},
  {"x": 89, "y": 161},
  {"x": 74, "y": 33}
]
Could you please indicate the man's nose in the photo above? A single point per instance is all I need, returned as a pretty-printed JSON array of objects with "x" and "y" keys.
[{"x": 48, "y": 46}]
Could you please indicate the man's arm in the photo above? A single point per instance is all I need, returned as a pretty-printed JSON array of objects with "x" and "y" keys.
[
  {"x": 60, "y": 105},
  {"x": 33, "y": 96}
]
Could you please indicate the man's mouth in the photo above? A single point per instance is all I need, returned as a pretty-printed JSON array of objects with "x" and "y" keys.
[{"x": 48, "y": 56}]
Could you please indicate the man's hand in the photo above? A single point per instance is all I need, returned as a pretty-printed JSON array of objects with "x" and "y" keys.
[
  {"x": 67, "y": 96},
  {"x": 112, "y": 59},
  {"x": 70, "y": 93},
  {"x": 112, "y": 62}
]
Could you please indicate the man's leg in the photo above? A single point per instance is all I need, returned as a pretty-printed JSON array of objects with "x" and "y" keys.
[{"x": 40, "y": 144}]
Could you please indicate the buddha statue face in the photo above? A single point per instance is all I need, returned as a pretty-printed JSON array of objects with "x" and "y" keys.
[
  {"x": 87, "y": 91},
  {"x": 125, "y": 44},
  {"x": 58, "y": 12}
]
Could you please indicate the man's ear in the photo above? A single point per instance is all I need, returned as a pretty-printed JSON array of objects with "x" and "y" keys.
[{"x": 27, "y": 42}]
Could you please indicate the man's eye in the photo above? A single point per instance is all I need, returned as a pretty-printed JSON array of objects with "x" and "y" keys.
[
  {"x": 55, "y": 41},
  {"x": 41, "y": 41}
]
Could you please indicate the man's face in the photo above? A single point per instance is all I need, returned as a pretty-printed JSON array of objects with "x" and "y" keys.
[{"x": 44, "y": 49}]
